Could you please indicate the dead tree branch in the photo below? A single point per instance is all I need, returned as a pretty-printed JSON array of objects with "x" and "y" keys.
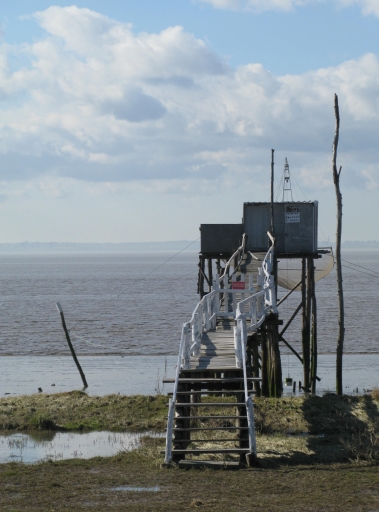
[{"x": 341, "y": 311}]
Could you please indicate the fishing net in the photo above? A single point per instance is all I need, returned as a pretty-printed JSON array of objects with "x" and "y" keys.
[{"x": 289, "y": 270}]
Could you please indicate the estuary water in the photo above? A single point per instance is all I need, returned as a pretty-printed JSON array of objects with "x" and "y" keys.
[
  {"x": 132, "y": 306},
  {"x": 119, "y": 304}
]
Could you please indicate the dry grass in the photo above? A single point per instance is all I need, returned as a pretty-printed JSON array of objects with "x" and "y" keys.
[
  {"x": 330, "y": 468},
  {"x": 338, "y": 428},
  {"x": 90, "y": 485},
  {"x": 78, "y": 411}
]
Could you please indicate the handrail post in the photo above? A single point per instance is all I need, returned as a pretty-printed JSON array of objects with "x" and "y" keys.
[
  {"x": 170, "y": 418},
  {"x": 186, "y": 348},
  {"x": 248, "y": 401},
  {"x": 237, "y": 340}
]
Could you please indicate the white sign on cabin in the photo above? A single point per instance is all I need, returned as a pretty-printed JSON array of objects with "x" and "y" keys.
[{"x": 292, "y": 214}]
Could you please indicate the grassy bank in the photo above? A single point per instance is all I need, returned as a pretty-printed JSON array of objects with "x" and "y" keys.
[
  {"x": 315, "y": 454},
  {"x": 290, "y": 430},
  {"x": 78, "y": 411}
]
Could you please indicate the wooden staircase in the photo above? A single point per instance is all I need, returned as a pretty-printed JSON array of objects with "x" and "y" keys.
[{"x": 210, "y": 417}]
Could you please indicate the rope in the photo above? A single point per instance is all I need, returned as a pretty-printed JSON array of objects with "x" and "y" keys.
[
  {"x": 118, "y": 296},
  {"x": 361, "y": 271},
  {"x": 172, "y": 257},
  {"x": 86, "y": 341},
  {"x": 359, "y": 266}
]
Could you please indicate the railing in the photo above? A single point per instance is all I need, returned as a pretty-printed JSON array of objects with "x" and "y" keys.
[
  {"x": 255, "y": 308},
  {"x": 171, "y": 406},
  {"x": 216, "y": 305},
  {"x": 252, "y": 311}
]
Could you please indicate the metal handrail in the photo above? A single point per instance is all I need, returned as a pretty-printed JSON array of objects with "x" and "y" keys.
[{"x": 241, "y": 331}]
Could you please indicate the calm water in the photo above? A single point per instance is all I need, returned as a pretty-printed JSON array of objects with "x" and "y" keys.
[
  {"x": 113, "y": 303},
  {"x": 66, "y": 445},
  {"x": 108, "y": 298},
  {"x": 131, "y": 375},
  {"x": 361, "y": 295}
]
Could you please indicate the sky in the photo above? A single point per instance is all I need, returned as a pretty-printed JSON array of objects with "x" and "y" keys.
[{"x": 125, "y": 121}]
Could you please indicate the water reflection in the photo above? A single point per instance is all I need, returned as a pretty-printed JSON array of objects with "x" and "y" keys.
[{"x": 40, "y": 446}]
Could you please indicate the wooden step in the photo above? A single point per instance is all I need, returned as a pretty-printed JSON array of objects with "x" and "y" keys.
[
  {"x": 182, "y": 441},
  {"x": 210, "y": 418},
  {"x": 193, "y": 429},
  {"x": 199, "y": 380},
  {"x": 209, "y": 450},
  {"x": 216, "y": 392},
  {"x": 210, "y": 404}
]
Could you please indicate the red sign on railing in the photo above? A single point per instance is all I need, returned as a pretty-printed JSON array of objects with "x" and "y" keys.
[{"x": 238, "y": 285}]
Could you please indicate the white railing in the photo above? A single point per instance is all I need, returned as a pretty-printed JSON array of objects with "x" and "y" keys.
[
  {"x": 254, "y": 308},
  {"x": 252, "y": 311},
  {"x": 216, "y": 305},
  {"x": 183, "y": 354}
]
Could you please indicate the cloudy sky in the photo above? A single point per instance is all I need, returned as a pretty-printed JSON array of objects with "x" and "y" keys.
[{"x": 136, "y": 121}]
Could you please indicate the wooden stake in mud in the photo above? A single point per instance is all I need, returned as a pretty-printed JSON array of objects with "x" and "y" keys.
[
  {"x": 59, "y": 308},
  {"x": 341, "y": 311}
]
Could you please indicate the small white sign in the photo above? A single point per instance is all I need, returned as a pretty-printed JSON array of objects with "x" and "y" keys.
[{"x": 292, "y": 214}]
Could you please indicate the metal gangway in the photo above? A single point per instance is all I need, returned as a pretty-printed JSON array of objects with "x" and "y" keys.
[{"x": 212, "y": 361}]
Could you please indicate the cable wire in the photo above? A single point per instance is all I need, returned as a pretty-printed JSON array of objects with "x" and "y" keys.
[
  {"x": 164, "y": 263},
  {"x": 361, "y": 271},
  {"x": 360, "y": 266}
]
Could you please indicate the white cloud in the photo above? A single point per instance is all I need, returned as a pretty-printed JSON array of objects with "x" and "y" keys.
[
  {"x": 367, "y": 6},
  {"x": 101, "y": 104},
  {"x": 259, "y": 5}
]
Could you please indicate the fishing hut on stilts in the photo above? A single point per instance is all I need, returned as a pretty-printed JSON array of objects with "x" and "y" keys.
[{"x": 230, "y": 349}]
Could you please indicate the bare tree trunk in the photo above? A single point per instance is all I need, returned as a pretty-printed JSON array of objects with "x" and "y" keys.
[{"x": 341, "y": 311}]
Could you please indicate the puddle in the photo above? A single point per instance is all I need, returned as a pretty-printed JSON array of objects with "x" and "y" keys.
[
  {"x": 42, "y": 446},
  {"x": 127, "y": 488}
]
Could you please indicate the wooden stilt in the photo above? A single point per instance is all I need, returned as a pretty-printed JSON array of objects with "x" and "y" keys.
[
  {"x": 307, "y": 383},
  {"x": 272, "y": 385},
  {"x": 210, "y": 274},
  {"x": 313, "y": 334},
  {"x": 264, "y": 362},
  {"x": 202, "y": 268},
  {"x": 305, "y": 325}
]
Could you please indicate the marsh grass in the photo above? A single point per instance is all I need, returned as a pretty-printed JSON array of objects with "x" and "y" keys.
[
  {"x": 316, "y": 453},
  {"x": 337, "y": 428},
  {"x": 78, "y": 411}
]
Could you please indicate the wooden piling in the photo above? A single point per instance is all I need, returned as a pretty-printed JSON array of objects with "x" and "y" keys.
[
  {"x": 272, "y": 385},
  {"x": 306, "y": 304},
  {"x": 313, "y": 333},
  {"x": 59, "y": 308},
  {"x": 210, "y": 274}
]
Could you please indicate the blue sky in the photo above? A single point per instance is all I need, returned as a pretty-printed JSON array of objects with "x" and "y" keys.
[{"x": 136, "y": 121}]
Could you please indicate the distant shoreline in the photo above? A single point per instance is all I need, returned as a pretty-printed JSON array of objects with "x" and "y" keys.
[
  {"x": 72, "y": 247},
  {"x": 122, "y": 247}
]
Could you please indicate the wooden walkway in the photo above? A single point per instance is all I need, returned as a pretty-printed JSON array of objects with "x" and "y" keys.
[{"x": 217, "y": 349}]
